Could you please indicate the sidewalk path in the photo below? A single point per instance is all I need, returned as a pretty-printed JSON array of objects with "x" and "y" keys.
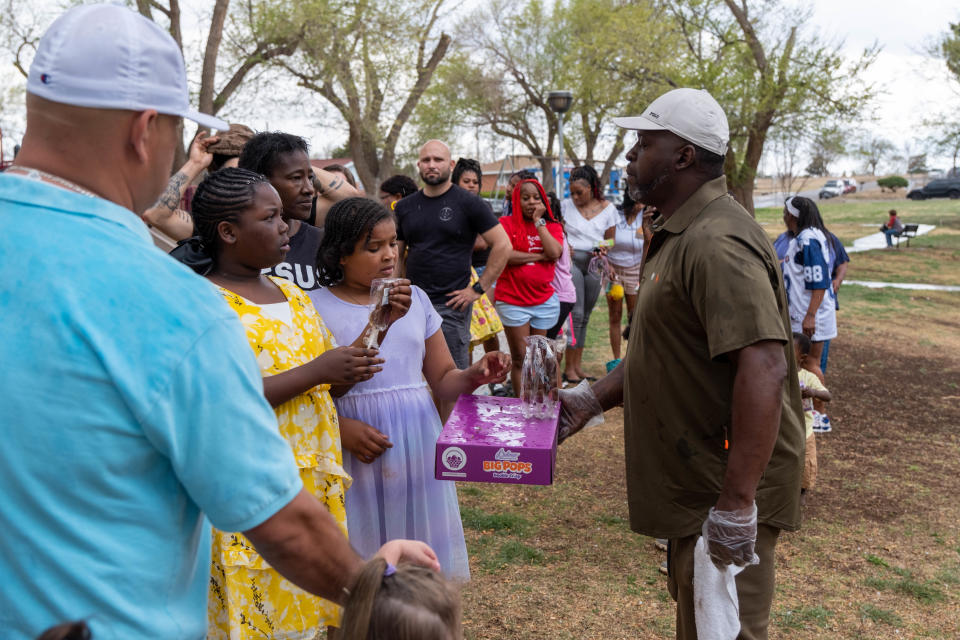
[
  {"x": 902, "y": 285},
  {"x": 879, "y": 241}
]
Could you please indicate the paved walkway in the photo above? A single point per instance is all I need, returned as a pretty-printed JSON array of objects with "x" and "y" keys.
[
  {"x": 879, "y": 241},
  {"x": 902, "y": 285}
]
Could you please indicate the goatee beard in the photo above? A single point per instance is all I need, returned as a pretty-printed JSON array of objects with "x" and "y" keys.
[
  {"x": 435, "y": 180},
  {"x": 641, "y": 192}
]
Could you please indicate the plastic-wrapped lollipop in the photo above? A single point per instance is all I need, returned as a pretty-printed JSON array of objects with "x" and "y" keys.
[
  {"x": 538, "y": 377},
  {"x": 600, "y": 267},
  {"x": 379, "y": 307}
]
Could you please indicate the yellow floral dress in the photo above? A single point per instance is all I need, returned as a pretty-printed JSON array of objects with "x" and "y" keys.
[
  {"x": 484, "y": 321},
  {"x": 247, "y": 598}
]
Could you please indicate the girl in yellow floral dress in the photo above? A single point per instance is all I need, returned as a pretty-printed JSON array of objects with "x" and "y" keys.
[{"x": 241, "y": 232}]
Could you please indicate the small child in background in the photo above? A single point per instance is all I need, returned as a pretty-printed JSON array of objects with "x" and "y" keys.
[
  {"x": 810, "y": 388},
  {"x": 401, "y": 603}
]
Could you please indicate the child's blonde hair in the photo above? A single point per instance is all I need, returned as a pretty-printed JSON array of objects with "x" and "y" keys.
[{"x": 411, "y": 603}]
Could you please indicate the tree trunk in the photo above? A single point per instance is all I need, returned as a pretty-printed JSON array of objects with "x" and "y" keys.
[
  {"x": 546, "y": 167},
  {"x": 209, "y": 72},
  {"x": 608, "y": 163}
]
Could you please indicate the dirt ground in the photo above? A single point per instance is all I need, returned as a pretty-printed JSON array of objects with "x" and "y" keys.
[{"x": 878, "y": 555}]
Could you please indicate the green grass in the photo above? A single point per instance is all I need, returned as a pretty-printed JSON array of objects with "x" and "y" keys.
[
  {"x": 612, "y": 521},
  {"x": 803, "y": 617},
  {"x": 509, "y": 553},
  {"x": 880, "y": 562},
  {"x": 495, "y": 522},
  {"x": 876, "y": 614},
  {"x": 926, "y": 592},
  {"x": 939, "y": 211}
]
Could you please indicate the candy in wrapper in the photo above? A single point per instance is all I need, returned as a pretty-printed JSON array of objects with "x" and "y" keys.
[{"x": 538, "y": 377}]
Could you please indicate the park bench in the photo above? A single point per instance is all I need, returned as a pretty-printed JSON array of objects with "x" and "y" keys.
[{"x": 908, "y": 231}]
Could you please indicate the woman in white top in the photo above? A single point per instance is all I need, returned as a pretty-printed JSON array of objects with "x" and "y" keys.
[
  {"x": 588, "y": 218},
  {"x": 625, "y": 256}
]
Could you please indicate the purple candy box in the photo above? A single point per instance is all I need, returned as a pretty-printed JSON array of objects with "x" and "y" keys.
[{"x": 487, "y": 439}]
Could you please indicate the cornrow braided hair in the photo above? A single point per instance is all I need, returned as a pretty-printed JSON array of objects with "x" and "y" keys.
[
  {"x": 220, "y": 198},
  {"x": 348, "y": 221},
  {"x": 589, "y": 175},
  {"x": 466, "y": 164},
  {"x": 261, "y": 152}
]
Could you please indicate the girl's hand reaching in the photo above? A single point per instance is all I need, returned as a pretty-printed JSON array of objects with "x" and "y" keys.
[
  {"x": 491, "y": 368},
  {"x": 346, "y": 365}
]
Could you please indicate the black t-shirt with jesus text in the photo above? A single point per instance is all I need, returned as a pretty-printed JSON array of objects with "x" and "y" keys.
[
  {"x": 299, "y": 266},
  {"x": 439, "y": 234}
]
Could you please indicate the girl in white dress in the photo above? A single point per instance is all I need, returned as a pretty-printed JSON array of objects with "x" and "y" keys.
[{"x": 394, "y": 492}]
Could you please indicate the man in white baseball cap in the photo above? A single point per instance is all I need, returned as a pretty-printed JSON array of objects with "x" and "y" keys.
[
  {"x": 133, "y": 408},
  {"x": 713, "y": 425}
]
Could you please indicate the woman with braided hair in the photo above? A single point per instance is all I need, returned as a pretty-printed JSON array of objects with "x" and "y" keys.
[
  {"x": 238, "y": 216},
  {"x": 395, "y": 490},
  {"x": 588, "y": 220}
]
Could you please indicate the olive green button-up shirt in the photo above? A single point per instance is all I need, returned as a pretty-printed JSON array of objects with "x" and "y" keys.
[{"x": 711, "y": 284}]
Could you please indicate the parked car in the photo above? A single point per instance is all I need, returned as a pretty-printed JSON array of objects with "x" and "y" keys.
[
  {"x": 941, "y": 188},
  {"x": 849, "y": 185},
  {"x": 831, "y": 189}
]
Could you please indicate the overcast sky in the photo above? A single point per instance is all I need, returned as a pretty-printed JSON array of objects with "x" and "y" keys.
[{"x": 913, "y": 86}]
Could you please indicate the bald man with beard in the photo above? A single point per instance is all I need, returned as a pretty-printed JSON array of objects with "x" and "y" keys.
[{"x": 438, "y": 226}]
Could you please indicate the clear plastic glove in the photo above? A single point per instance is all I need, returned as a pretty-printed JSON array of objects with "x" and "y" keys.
[
  {"x": 730, "y": 536},
  {"x": 579, "y": 408}
]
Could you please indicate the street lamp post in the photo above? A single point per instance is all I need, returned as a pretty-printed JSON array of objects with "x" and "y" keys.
[{"x": 560, "y": 102}]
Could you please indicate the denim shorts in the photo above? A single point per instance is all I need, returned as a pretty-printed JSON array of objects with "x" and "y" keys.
[{"x": 541, "y": 316}]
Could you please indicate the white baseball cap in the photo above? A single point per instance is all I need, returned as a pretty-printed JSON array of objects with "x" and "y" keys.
[
  {"x": 109, "y": 57},
  {"x": 692, "y": 114}
]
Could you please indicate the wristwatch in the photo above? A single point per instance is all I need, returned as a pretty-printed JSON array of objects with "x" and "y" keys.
[
  {"x": 478, "y": 287},
  {"x": 540, "y": 223}
]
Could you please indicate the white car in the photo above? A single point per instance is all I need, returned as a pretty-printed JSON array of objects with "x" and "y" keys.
[{"x": 831, "y": 189}]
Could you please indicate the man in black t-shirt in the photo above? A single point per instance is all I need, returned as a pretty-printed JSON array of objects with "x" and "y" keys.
[{"x": 438, "y": 225}]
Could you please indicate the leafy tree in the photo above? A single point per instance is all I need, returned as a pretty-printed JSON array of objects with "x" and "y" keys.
[
  {"x": 828, "y": 144},
  {"x": 785, "y": 143},
  {"x": 632, "y": 48},
  {"x": 949, "y": 49},
  {"x": 757, "y": 59},
  {"x": 892, "y": 183},
  {"x": 259, "y": 30},
  {"x": 873, "y": 150},
  {"x": 917, "y": 164},
  {"x": 371, "y": 62},
  {"x": 241, "y": 38},
  {"x": 944, "y": 136},
  {"x": 499, "y": 78}
]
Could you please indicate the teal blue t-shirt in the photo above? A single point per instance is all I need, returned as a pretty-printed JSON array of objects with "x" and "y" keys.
[{"x": 130, "y": 407}]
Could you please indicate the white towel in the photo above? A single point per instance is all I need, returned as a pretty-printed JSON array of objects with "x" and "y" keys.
[{"x": 715, "y": 600}]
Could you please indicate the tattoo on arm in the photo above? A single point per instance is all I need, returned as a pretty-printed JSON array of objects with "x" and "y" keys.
[
  {"x": 174, "y": 191},
  {"x": 337, "y": 182}
]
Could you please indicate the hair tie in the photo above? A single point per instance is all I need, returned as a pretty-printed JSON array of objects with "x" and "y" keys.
[
  {"x": 389, "y": 571},
  {"x": 791, "y": 208},
  {"x": 193, "y": 253}
]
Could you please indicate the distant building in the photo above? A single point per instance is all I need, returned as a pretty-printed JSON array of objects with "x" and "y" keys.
[{"x": 496, "y": 174}]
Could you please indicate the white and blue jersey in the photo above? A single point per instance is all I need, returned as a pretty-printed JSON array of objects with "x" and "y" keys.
[{"x": 806, "y": 268}]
